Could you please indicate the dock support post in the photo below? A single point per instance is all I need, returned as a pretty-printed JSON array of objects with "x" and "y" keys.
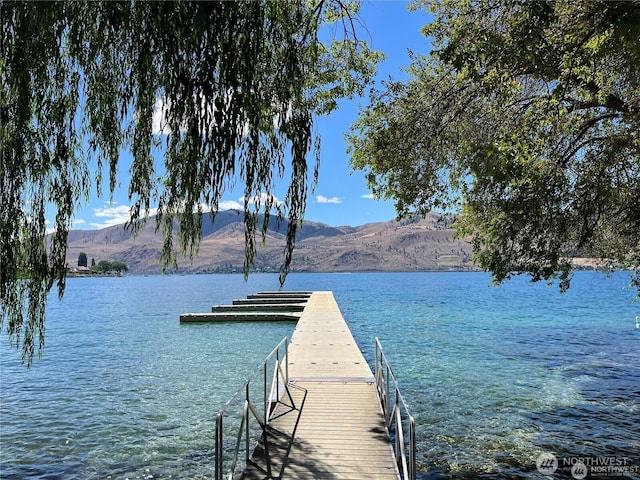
[
  {"x": 219, "y": 467},
  {"x": 246, "y": 421}
]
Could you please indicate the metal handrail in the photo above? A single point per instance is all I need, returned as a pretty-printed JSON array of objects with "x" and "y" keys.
[
  {"x": 278, "y": 387},
  {"x": 396, "y": 415}
]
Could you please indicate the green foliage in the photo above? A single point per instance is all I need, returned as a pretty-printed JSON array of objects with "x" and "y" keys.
[
  {"x": 238, "y": 83},
  {"x": 106, "y": 266},
  {"x": 524, "y": 119},
  {"x": 82, "y": 259}
]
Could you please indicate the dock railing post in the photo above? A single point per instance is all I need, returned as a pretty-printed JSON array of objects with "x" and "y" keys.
[
  {"x": 388, "y": 396},
  {"x": 219, "y": 448},
  {"x": 395, "y": 414},
  {"x": 286, "y": 360},
  {"x": 412, "y": 447},
  {"x": 246, "y": 423},
  {"x": 271, "y": 394},
  {"x": 264, "y": 395}
]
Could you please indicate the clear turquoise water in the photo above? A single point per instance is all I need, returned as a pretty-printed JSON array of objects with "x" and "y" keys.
[{"x": 494, "y": 376}]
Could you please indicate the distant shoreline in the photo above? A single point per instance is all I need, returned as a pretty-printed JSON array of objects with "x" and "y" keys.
[
  {"x": 584, "y": 264},
  {"x": 76, "y": 274}
]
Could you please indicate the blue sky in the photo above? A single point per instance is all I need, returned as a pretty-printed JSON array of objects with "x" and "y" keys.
[{"x": 341, "y": 196}]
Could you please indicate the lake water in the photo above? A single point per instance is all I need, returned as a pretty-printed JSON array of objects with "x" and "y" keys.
[{"x": 494, "y": 376}]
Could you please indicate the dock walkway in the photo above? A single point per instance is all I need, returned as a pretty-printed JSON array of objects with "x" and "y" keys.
[{"x": 337, "y": 430}]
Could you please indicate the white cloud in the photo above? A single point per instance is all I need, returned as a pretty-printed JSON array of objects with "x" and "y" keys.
[
  {"x": 49, "y": 229},
  {"x": 159, "y": 120},
  {"x": 117, "y": 215},
  {"x": 323, "y": 199},
  {"x": 112, "y": 215},
  {"x": 262, "y": 199},
  {"x": 369, "y": 196},
  {"x": 230, "y": 205},
  {"x": 239, "y": 204}
]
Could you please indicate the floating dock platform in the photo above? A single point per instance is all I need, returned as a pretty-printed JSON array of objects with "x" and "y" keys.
[{"x": 260, "y": 307}]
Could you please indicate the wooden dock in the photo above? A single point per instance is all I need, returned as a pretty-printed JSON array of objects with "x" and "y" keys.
[{"x": 337, "y": 430}]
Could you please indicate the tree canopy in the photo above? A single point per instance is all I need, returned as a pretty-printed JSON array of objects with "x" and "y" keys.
[
  {"x": 524, "y": 119},
  {"x": 106, "y": 266},
  {"x": 238, "y": 84}
]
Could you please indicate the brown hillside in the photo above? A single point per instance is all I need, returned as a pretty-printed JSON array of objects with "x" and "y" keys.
[{"x": 386, "y": 246}]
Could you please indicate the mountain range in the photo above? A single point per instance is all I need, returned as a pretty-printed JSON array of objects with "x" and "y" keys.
[{"x": 424, "y": 244}]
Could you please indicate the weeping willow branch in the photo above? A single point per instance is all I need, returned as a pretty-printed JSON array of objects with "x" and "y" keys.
[{"x": 237, "y": 83}]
